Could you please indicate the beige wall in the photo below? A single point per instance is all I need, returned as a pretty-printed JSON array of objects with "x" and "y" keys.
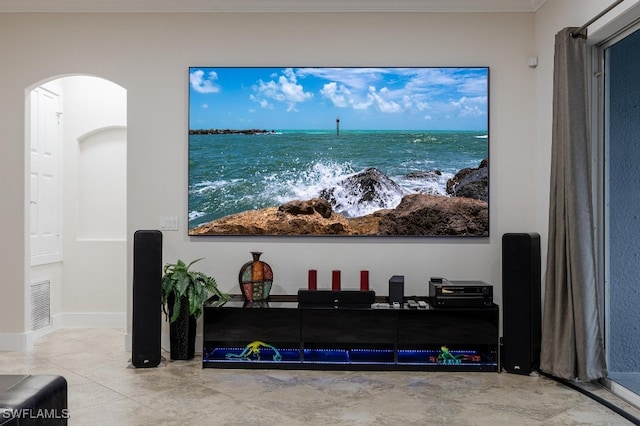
[
  {"x": 553, "y": 16},
  {"x": 149, "y": 55}
]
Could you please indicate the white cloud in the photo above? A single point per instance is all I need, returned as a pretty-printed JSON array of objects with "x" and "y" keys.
[
  {"x": 342, "y": 97},
  {"x": 204, "y": 84},
  {"x": 357, "y": 79},
  {"x": 339, "y": 95},
  {"x": 286, "y": 90},
  {"x": 473, "y": 86},
  {"x": 431, "y": 93},
  {"x": 262, "y": 102},
  {"x": 383, "y": 100},
  {"x": 408, "y": 91},
  {"x": 469, "y": 107}
]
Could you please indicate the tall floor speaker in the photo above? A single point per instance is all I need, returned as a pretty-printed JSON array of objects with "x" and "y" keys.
[
  {"x": 147, "y": 295},
  {"x": 521, "y": 310}
]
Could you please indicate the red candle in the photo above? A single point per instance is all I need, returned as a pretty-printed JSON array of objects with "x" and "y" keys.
[
  {"x": 335, "y": 280},
  {"x": 313, "y": 279},
  {"x": 364, "y": 280}
]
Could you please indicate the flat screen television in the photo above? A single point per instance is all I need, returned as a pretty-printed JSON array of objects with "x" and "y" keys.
[{"x": 358, "y": 151}]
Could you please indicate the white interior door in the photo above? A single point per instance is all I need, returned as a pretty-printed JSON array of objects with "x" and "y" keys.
[{"x": 45, "y": 176}]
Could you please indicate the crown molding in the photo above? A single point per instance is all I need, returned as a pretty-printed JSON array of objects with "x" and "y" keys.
[{"x": 267, "y": 6}]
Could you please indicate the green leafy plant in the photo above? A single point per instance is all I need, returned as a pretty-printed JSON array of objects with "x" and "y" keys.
[{"x": 178, "y": 280}]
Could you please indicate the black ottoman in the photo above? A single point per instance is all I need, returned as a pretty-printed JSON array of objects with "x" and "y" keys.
[{"x": 33, "y": 400}]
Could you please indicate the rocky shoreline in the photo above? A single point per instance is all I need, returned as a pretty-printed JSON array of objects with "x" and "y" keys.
[
  {"x": 464, "y": 212},
  {"x": 230, "y": 132}
]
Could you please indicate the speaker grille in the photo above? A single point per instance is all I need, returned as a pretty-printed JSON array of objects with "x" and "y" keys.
[
  {"x": 521, "y": 270},
  {"x": 147, "y": 292}
]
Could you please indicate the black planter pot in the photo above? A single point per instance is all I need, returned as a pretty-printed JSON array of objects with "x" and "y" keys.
[{"x": 182, "y": 331}]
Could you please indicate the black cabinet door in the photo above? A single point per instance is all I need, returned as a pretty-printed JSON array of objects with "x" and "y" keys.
[
  {"x": 448, "y": 326},
  {"x": 354, "y": 326},
  {"x": 240, "y": 325}
]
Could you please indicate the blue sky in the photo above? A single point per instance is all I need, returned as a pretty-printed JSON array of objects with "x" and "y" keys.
[{"x": 363, "y": 98}]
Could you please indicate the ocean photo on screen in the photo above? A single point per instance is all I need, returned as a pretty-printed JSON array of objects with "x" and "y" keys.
[{"x": 338, "y": 151}]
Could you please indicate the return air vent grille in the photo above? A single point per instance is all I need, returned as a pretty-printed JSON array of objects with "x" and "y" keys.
[{"x": 40, "y": 305}]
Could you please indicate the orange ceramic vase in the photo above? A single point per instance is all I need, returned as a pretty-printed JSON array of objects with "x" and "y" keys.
[{"x": 256, "y": 278}]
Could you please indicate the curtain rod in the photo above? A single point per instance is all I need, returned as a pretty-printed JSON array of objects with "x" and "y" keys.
[{"x": 582, "y": 30}]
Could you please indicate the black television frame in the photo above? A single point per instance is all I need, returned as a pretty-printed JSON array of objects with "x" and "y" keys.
[{"x": 342, "y": 89}]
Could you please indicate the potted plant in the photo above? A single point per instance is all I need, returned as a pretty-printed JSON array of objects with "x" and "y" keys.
[{"x": 183, "y": 293}]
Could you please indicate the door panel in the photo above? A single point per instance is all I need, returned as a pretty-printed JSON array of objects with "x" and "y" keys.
[
  {"x": 621, "y": 206},
  {"x": 45, "y": 143}
]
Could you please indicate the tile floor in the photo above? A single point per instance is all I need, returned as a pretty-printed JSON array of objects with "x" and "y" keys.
[{"x": 104, "y": 389}]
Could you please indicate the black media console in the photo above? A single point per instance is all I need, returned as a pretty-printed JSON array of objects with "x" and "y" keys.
[{"x": 281, "y": 334}]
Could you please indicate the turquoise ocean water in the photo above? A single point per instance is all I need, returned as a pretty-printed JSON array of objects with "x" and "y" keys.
[{"x": 233, "y": 173}]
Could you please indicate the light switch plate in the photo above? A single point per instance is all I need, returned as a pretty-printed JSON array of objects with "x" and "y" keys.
[{"x": 168, "y": 223}]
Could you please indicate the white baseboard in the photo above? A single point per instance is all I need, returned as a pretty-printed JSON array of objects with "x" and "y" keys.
[
  {"x": 24, "y": 341},
  {"x": 127, "y": 342},
  {"x": 90, "y": 320},
  {"x": 15, "y": 341}
]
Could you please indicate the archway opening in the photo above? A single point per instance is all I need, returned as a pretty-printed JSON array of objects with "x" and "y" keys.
[{"x": 76, "y": 137}]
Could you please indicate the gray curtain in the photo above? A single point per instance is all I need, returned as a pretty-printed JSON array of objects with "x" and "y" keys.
[{"x": 572, "y": 344}]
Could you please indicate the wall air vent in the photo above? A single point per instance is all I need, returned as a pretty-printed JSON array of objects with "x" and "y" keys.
[{"x": 40, "y": 304}]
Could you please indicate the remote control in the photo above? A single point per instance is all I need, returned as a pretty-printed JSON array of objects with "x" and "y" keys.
[
  {"x": 413, "y": 304},
  {"x": 422, "y": 304}
]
